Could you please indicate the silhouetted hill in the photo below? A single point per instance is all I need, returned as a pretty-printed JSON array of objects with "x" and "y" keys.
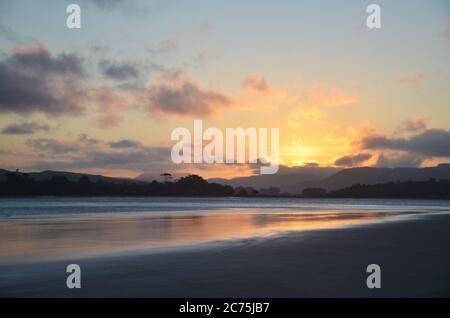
[
  {"x": 71, "y": 176},
  {"x": 286, "y": 179},
  {"x": 265, "y": 181},
  {"x": 431, "y": 189},
  {"x": 69, "y": 183},
  {"x": 296, "y": 180},
  {"x": 368, "y": 175}
]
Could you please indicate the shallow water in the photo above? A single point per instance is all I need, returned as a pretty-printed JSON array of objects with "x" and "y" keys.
[{"x": 52, "y": 228}]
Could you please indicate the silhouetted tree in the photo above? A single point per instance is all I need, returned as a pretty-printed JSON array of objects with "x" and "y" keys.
[
  {"x": 20, "y": 184},
  {"x": 167, "y": 176},
  {"x": 314, "y": 192}
]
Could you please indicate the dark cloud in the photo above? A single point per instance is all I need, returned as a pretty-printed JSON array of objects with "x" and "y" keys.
[
  {"x": 52, "y": 145},
  {"x": 33, "y": 80},
  {"x": 184, "y": 97},
  {"x": 352, "y": 160},
  {"x": 415, "y": 125},
  {"x": 144, "y": 159},
  {"x": 86, "y": 139},
  {"x": 127, "y": 159},
  {"x": 119, "y": 71},
  {"x": 125, "y": 143},
  {"x": 39, "y": 59},
  {"x": 24, "y": 128},
  {"x": 398, "y": 160},
  {"x": 88, "y": 152},
  {"x": 430, "y": 142}
]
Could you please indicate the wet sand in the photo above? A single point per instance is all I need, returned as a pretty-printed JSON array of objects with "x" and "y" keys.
[
  {"x": 414, "y": 255},
  {"x": 50, "y": 237}
]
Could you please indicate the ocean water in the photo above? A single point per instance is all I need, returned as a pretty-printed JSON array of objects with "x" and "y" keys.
[
  {"x": 34, "y": 229},
  {"x": 16, "y": 207}
]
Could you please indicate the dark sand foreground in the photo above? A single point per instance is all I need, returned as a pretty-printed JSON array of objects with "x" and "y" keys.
[{"x": 414, "y": 256}]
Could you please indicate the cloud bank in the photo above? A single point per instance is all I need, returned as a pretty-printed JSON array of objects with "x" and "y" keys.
[{"x": 33, "y": 80}]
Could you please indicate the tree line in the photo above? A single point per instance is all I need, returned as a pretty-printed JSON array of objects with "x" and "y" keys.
[
  {"x": 18, "y": 184},
  {"x": 430, "y": 189}
]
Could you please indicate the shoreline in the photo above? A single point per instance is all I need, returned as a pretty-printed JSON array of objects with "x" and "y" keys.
[
  {"x": 289, "y": 196},
  {"x": 413, "y": 254}
]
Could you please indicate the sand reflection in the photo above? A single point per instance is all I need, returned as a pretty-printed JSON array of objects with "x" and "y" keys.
[{"x": 59, "y": 237}]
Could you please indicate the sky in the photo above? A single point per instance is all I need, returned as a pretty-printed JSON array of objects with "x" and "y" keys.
[{"x": 105, "y": 98}]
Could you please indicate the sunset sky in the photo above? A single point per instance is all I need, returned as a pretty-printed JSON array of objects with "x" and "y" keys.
[{"x": 105, "y": 98}]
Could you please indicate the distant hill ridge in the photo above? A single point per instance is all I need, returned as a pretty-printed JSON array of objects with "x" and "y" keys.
[
  {"x": 71, "y": 176},
  {"x": 295, "y": 184},
  {"x": 285, "y": 179},
  {"x": 369, "y": 175}
]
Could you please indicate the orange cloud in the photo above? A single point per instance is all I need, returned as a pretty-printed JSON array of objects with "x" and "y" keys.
[
  {"x": 311, "y": 106},
  {"x": 328, "y": 97},
  {"x": 256, "y": 92},
  {"x": 306, "y": 114}
]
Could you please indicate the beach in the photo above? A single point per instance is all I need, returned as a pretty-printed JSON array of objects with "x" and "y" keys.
[{"x": 412, "y": 252}]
